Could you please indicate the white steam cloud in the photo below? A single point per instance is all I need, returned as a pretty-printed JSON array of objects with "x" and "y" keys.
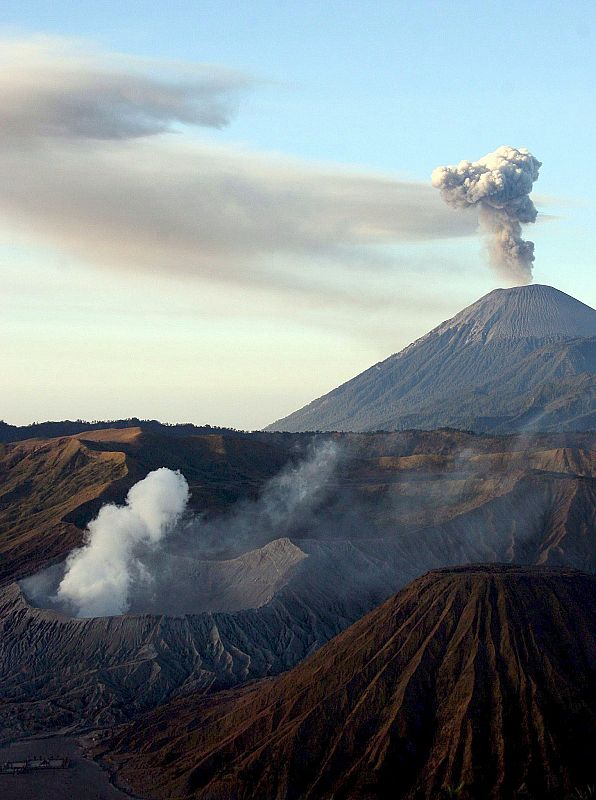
[
  {"x": 132, "y": 552},
  {"x": 499, "y": 185},
  {"x": 99, "y": 575}
]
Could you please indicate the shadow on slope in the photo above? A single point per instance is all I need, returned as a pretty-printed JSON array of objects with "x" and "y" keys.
[{"x": 481, "y": 677}]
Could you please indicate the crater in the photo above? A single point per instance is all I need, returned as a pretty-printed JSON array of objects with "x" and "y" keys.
[{"x": 177, "y": 584}]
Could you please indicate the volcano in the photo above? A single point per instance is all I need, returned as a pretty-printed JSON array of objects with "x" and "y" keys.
[
  {"x": 521, "y": 359},
  {"x": 476, "y": 679},
  {"x": 401, "y": 504}
]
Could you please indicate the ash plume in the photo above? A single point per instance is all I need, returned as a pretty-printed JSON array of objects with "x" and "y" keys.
[
  {"x": 99, "y": 575},
  {"x": 499, "y": 185},
  {"x": 82, "y": 128}
]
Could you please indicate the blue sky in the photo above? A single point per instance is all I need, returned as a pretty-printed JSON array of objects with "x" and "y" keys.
[{"x": 390, "y": 89}]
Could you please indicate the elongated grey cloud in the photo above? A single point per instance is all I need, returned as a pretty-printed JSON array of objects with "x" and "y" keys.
[
  {"x": 94, "y": 163},
  {"x": 48, "y": 88},
  {"x": 499, "y": 185}
]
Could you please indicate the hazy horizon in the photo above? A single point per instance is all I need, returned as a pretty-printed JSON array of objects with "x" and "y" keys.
[{"x": 216, "y": 218}]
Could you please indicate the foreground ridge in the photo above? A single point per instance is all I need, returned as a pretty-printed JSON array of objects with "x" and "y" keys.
[{"x": 479, "y": 676}]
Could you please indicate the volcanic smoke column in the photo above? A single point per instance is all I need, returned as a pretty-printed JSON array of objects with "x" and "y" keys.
[
  {"x": 499, "y": 185},
  {"x": 100, "y": 574}
]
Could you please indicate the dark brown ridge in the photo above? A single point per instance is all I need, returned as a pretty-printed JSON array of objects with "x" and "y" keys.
[{"x": 475, "y": 678}]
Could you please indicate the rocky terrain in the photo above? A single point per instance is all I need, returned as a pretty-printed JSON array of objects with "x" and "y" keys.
[
  {"x": 83, "y": 779},
  {"x": 521, "y": 359},
  {"x": 51, "y": 488},
  {"x": 458, "y": 682},
  {"x": 478, "y": 680},
  {"x": 398, "y": 505}
]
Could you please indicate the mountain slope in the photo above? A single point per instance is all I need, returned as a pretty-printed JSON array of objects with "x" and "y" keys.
[
  {"x": 51, "y": 488},
  {"x": 480, "y": 676},
  {"x": 511, "y": 361},
  {"x": 401, "y": 504}
]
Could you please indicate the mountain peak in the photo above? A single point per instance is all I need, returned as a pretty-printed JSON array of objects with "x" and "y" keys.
[
  {"x": 517, "y": 359},
  {"x": 533, "y": 311}
]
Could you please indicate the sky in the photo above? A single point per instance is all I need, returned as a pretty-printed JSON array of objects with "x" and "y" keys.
[{"x": 216, "y": 212}]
